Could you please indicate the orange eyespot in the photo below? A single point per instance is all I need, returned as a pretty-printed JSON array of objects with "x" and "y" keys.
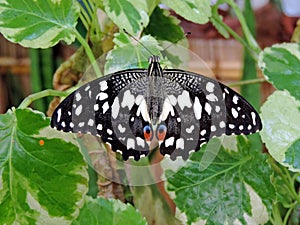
[
  {"x": 147, "y": 133},
  {"x": 161, "y": 132},
  {"x": 41, "y": 142}
]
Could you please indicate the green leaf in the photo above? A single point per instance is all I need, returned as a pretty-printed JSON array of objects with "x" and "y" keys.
[
  {"x": 102, "y": 211},
  {"x": 197, "y": 11},
  {"x": 43, "y": 179},
  {"x": 161, "y": 18},
  {"x": 127, "y": 55},
  {"x": 281, "y": 126},
  {"x": 292, "y": 155},
  {"x": 280, "y": 65},
  {"x": 129, "y": 15},
  {"x": 283, "y": 193},
  {"x": 228, "y": 190},
  {"x": 152, "y": 4},
  {"x": 216, "y": 21},
  {"x": 38, "y": 23}
]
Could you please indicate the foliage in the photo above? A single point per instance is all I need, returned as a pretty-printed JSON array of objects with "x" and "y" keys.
[
  {"x": 43, "y": 175},
  {"x": 108, "y": 211}
]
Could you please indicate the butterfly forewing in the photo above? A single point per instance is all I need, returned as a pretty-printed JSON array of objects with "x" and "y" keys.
[
  {"x": 178, "y": 110},
  {"x": 205, "y": 109},
  {"x": 105, "y": 107}
]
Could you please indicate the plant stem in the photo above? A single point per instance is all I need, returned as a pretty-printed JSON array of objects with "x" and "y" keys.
[
  {"x": 89, "y": 9},
  {"x": 249, "y": 37},
  {"x": 288, "y": 213},
  {"x": 84, "y": 22},
  {"x": 247, "y": 82},
  {"x": 89, "y": 52},
  {"x": 276, "y": 215},
  {"x": 45, "y": 93},
  {"x": 290, "y": 183}
]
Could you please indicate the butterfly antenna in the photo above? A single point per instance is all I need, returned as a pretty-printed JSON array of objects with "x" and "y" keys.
[
  {"x": 134, "y": 38},
  {"x": 179, "y": 39}
]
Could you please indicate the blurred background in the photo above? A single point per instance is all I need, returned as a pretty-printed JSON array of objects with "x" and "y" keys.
[{"x": 24, "y": 71}]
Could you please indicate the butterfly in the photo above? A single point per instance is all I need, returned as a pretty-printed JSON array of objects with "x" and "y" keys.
[{"x": 176, "y": 109}]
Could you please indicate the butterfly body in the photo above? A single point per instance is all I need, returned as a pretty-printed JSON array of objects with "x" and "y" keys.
[{"x": 178, "y": 110}]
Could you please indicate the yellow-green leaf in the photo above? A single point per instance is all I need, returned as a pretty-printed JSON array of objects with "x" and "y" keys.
[
  {"x": 38, "y": 23},
  {"x": 42, "y": 179}
]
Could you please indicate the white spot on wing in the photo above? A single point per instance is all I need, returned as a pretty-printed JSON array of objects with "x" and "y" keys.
[
  {"x": 105, "y": 107},
  {"x": 231, "y": 126},
  {"x": 234, "y": 113},
  {"x": 213, "y": 128},
  {"x": 241, "y": 127},
  {"x": 167, "y": 109},
  {"x": 184, "y": 100},
  {"x": 210, "y": 87},
  {"x": 172, "y": 99},
  {"x": 96, "y": 107},
  {"x": 101, "y": 96},
  {"x": 115, "y": 108},
  {"x": 81, "y": 124},
  {"x": 109, "y": 131},
  {"x": 91, "y": 122},
  {"x": 63, "y": 124},
  {"x": 180, "y": 143},
  {"x": 253, "y": 118},
  {"x": 212, "y": 98},
  {"x": 140, "y": 142},
  {"x": 128, "y": 100},
  {"x": 103, "y": 85},
  {"x": 58, "y": 115},
  {"x": 169, "y": 141},
  {"x": 222, "y": 124},
  {"x": 99, "y": 127},
  {"x": 139, "y": 99},
  {"x": 203, "y": 132},
  {"x": 235, "y": 99},
  {"x": 121, "y": 129},
  {"x": 190, "y": 129},
  {"x": 78, "y": 110},
  {"x": 207, "y": 108},
  {"x": 142, "y": 109},
  {"x": 130, "y": 143},
  {"x": 77, "y": 96},
  {"x": 71, "y": 124},
  {"x": 197, "y": 108}
]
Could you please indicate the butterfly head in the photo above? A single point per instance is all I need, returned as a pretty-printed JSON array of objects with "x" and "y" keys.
[{"x": 154, "y": 59}]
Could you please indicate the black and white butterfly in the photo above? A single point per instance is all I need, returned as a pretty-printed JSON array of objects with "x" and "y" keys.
[{"x": 178, "y": 110}]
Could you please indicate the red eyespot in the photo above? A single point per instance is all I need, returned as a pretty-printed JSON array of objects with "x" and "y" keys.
[
  {"x": 147, "y": 133},
  {"x": 161, "y": 132}
]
